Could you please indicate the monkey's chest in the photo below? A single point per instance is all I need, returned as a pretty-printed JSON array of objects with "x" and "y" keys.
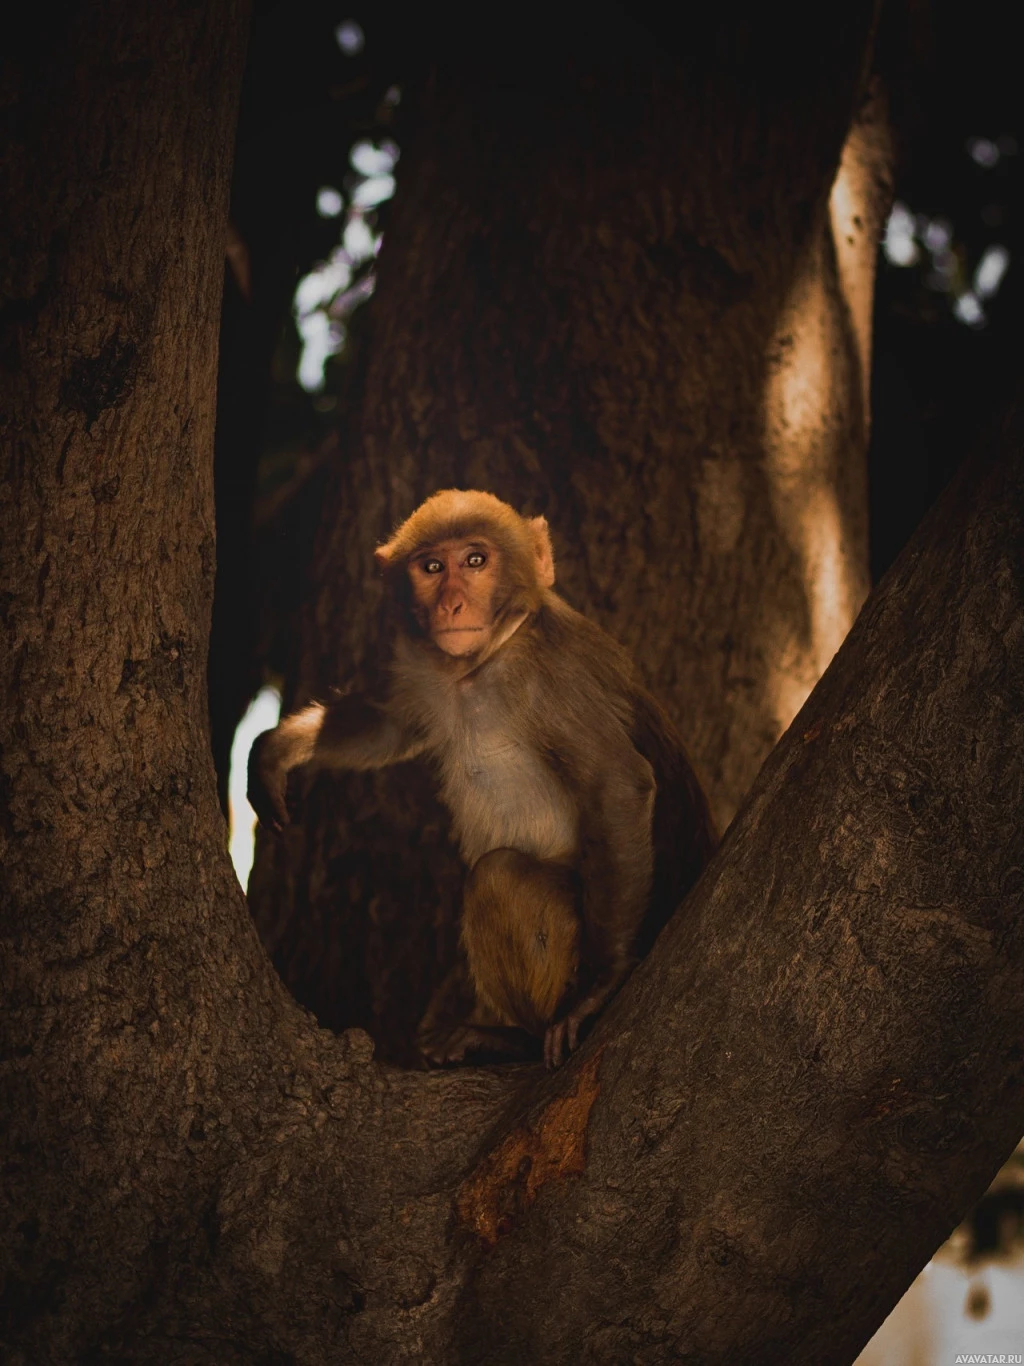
[{"x": 502, "y": 795}]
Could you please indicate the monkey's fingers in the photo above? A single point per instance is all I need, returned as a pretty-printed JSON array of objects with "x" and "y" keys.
[
  {"x": 267, "y": 784},
  {"x": 444, "y": 1048},
  {"x": 554, "y": 1043},
  {"x": 270, "y": 808},
  {"x": 563, "y": 1037}
]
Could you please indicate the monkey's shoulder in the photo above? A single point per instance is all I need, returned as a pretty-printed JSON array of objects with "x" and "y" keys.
[
  {"x": 599, "y": 683},
  {"x": 583, "y": 673}
]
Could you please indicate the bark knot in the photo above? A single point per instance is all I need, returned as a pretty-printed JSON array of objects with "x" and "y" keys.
[
  {"x": 548, "y": 1147},
  {"x": 93, "y": 384}
]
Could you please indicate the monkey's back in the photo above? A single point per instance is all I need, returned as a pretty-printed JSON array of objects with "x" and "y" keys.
[{"x": 683, "y": 832}]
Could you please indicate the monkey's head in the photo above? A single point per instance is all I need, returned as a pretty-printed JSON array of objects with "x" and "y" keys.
[{"x": 468, "y": 568}]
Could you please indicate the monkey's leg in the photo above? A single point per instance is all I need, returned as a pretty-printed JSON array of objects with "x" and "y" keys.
[
  {"x": 456, "y": 1025},
  {"x": 521, "y": 931},
  {"x": 451, "y": 1004}
]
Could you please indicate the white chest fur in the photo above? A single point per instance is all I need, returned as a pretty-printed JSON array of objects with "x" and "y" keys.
[{"x": 500, "y": 792}]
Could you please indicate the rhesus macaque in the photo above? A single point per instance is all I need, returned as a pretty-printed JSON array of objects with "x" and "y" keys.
[{"x": 574, "y": 806}]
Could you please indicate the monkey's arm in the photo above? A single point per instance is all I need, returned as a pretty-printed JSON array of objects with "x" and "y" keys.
[
  {"x": 616, "y": 866},
  {"x": 353, "y": 732}
]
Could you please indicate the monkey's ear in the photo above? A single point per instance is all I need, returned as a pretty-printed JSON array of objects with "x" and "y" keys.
[
  {"x": 383, "y": 558},
  {"x": 545, "y": 560}
]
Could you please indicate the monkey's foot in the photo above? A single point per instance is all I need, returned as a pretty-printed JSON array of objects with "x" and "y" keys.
[
  {"x": 477, "y": 1041},
  {"x": 561, "y": 1038}
]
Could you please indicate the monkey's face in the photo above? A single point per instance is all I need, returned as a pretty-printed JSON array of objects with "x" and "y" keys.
[{"x": 456, "y": 591}]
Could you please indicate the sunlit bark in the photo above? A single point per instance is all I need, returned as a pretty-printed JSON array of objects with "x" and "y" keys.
[{"x": 816, "y": 407}]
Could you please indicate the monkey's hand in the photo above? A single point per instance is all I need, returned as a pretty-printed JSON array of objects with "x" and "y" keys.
[{"x": 268, "y": 781}]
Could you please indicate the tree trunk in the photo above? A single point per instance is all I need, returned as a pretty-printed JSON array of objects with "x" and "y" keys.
[
  {"x": 633, "y": 294},
  {"x": 192, "y": 1171},
  {"x": 123, "y": 945}
]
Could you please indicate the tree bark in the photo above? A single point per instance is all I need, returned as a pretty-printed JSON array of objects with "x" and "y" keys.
[
  {"x": 631, "y": 292},
  {"x": 192, "y": 1171},
  {"x": 118, "y": 909}
]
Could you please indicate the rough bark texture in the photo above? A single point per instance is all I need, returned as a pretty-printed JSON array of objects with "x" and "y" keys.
[
  {"x": 629, "y": 292},
  {"x": 192, "y": 1172},
  {"x": 117, "y": 962}
]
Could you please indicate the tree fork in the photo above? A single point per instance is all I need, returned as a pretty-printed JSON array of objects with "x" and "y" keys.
[{"x": 832, "y": 1024}]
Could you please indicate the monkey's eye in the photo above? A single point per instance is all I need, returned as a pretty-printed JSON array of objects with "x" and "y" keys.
[
  {"x": 476, "y": 559},
  {"x": 432, "y": 566}
]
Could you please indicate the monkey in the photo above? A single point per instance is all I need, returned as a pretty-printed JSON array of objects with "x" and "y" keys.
[{"x": 575, "y": 807}]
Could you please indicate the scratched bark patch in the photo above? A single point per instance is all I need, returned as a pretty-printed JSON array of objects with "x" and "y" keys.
[{"x": 548, "y": 1148}]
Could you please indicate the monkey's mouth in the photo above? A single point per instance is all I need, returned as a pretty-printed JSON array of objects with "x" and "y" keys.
[{"x": 460, "y": 641}]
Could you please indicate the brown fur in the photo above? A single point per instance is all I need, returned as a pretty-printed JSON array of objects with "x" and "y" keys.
[
  {"x": 572, "y": 798},
  {"x": 453, "y": 514},
  {"x": 521, "y": 933}
]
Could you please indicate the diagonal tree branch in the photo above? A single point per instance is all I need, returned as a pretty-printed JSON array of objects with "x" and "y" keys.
[{"x": 829, "y": 1037}]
